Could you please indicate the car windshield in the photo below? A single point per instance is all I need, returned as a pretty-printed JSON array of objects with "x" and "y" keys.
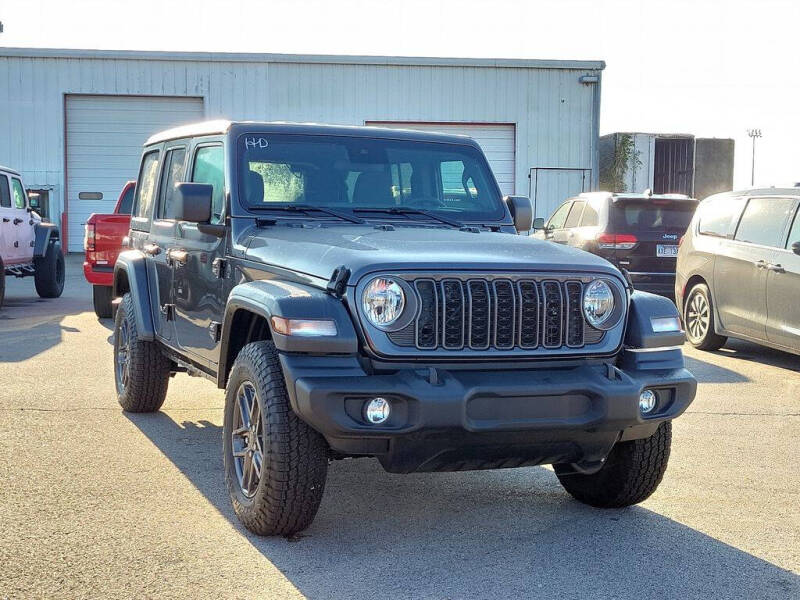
[
  {"x": 652, "y": 215},
  {"x": 357, "y": 173}
]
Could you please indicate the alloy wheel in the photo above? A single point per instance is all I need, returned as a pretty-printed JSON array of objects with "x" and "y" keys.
[
  {"x": 698, "y": 316},
  {"x": 123, "y": 355},
  {"x": 247, "y": 439}
]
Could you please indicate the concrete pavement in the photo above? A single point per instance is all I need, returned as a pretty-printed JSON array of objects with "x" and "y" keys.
[{"x": 96, "y": 503}]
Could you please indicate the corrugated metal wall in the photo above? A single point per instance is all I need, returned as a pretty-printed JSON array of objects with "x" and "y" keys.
[{"x": 554, "y": 114}]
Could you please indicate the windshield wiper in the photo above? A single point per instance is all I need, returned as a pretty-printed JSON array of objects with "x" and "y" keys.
[
  {"x": 405, "y": 210},
  {"x": 307, "y": 208}
]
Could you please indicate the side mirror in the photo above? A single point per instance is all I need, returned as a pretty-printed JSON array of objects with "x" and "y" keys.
[
  {"x": 538, "y": 223},
  {"x": 796, "y": 247},
  {"x": 521, "y": 211},
  {"x": 192, "y": 202},
  {"x": 33, "y": 199}
]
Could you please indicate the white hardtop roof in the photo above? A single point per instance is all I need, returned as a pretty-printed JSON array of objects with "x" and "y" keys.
[{"x": 632, "y": 196}]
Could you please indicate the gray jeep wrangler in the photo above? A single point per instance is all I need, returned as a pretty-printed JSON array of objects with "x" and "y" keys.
[{"x": 363, "y": 292}]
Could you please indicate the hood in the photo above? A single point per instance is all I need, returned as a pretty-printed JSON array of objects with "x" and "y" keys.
[{"x": 319, "y": 249}]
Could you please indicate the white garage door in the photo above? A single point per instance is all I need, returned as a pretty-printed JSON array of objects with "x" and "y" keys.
[
  {"x": 496, "y": 141},
  {"x": 104, "y": 144}
]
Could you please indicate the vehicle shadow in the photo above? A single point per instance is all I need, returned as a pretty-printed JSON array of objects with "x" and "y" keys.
[
  {"x": 707, "y": 372},
  {"x": 511, "y": 533},
  {"x": 752, "y": 352},
  {"x": 30, "y": 325}
]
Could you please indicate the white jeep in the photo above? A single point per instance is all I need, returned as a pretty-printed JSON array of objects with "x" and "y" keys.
[{"x": 28, "y": 246}]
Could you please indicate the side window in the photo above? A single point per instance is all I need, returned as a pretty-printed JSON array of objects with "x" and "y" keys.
[
  {"x": 208, "y": 168},
  {"x": 763, "y": 221},
  {"x": 170, "y": 175},
  {"x": 590, "y": 217},
  {"x": 5, "y": 193},
  {"x": 558, "y": 218},
  {"x": 575, "y": 214},
  {"x": 146, "y": 187},
  {"x": 794, "y": 234},
  {"x": 18, "y": 192},
  {"x": 127, "y": 201},
  {"x": 718, "y": 215}
]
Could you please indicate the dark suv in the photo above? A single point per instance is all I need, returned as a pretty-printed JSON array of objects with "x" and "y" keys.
[
  {"x": 363, "y": 292},
  {"x": 739, "y": 270},
  {"x": 636, "y": 232}
]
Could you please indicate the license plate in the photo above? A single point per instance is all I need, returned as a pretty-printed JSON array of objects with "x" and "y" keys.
[{"x": 663, "y": 250}]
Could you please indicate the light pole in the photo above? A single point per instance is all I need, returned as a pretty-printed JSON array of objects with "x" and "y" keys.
[{"x": 753, "y": 133}]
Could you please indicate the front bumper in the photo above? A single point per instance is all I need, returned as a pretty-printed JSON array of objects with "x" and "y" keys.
[{"x": 453, "y": 419}]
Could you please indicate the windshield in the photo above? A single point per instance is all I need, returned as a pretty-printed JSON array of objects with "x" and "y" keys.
[
  {"x": 357, "y": 173},
  {"x": 632, "y": 217}
]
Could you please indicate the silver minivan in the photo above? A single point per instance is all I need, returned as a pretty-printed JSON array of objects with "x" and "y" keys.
[{"x": 738, "y": 271}]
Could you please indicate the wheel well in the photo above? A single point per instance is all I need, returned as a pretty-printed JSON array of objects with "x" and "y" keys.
[
  {"x": 121, "y": 284},
  {"x": 246, "y": 327}
]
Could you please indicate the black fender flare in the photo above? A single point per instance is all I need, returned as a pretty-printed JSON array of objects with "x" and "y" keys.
[
  {"x": 639, "y": 334},
  {"x": 131, "y": 266},
  {"x": 291, "y": 300},
  {"x": 45, "y": 233}
]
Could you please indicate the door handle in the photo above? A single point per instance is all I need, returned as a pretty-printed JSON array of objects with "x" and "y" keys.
[
  {"x": 176, "y": 255},
  {"x": 152, "y": 249},
  {"x": 777, "y": 268},
  {"x": 17, "y": 221},
  {"x": 761, "y": 264}
]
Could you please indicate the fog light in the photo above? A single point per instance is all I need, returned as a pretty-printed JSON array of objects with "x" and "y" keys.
[
  {"x": 377, "y": 410},
  {"x": 647, "y": 401}
]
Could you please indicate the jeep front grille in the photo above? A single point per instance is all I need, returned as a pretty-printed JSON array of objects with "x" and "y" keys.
[{"x": 500, "y": 314}]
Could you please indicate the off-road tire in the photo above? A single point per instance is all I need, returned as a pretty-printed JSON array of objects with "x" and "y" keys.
[
  {"x": 2, "y": 282},
  {"x": 630, "y": 474},
  {"x": 709, "y": 340},
  {"x": 295, "y": 456},
  {"x": 101, "y": 299},
  {"x": 49, "y": 272},
  {"x": 149, "y": 369}
]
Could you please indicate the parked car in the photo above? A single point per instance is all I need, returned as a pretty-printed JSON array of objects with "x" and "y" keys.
[
  {"x": 28, "y": 246},
  {"x": 102, "y": 241},
  {"x": 635, "y": 232},
  {"x": 739, "y": 270},
  {"x": 362, "y": 292}
]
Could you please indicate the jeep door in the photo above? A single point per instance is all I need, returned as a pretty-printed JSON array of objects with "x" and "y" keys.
[
  {"x": 24, "y": 225},
  {"x": 783, "y": 285},
  {"x": 8, "y": 251},
  {"x": 197, "y": 284},
  {"x": 741, "y": 266},
  {"x": 153, "y": 236},
  {"x": 569, "y": 235}
]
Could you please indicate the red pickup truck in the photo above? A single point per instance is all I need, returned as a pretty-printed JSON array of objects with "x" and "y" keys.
[{"x": 103, "y": 242}]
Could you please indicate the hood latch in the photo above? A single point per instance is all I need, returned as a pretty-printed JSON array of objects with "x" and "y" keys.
[{"x": 338, "y": 281}]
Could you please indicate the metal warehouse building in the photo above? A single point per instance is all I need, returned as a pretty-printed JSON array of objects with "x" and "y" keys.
[{"x": 73, "y": 121}]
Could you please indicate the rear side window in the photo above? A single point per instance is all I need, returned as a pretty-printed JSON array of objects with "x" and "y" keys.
[
  {"x": 170, "y": 175},
  {"x": 575, "y": 214},
  {"x": 5, "y": 193},
  {"x": 632, "y": 217},
  {"x": 718, "y": 216},
  {"x": 146, "y": 187},
  {"x": 127, "y": 201},
  {"x": 764, "y": 220},
  {"x": 590, "y": 217},
  {"x": 18, "y": 192},
  {"x": 208, "y": 168}
]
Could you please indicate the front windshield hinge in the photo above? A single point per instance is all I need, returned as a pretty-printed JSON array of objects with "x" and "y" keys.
[
  {"x": 338, "y": 281},
  {"x": 265, "y": 222},
  {"x": 470, "y": 229}
]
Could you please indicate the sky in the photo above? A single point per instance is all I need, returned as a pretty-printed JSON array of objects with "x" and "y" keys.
[{"x": 710, "y": 68}]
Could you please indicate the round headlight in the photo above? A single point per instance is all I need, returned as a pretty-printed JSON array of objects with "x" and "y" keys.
[
  {"x": 598, "y": 303},
  {"x": 383, "y": 301}
]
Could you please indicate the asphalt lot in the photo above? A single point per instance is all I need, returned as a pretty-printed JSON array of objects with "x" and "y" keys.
[{"x": 96, "y": 503}]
